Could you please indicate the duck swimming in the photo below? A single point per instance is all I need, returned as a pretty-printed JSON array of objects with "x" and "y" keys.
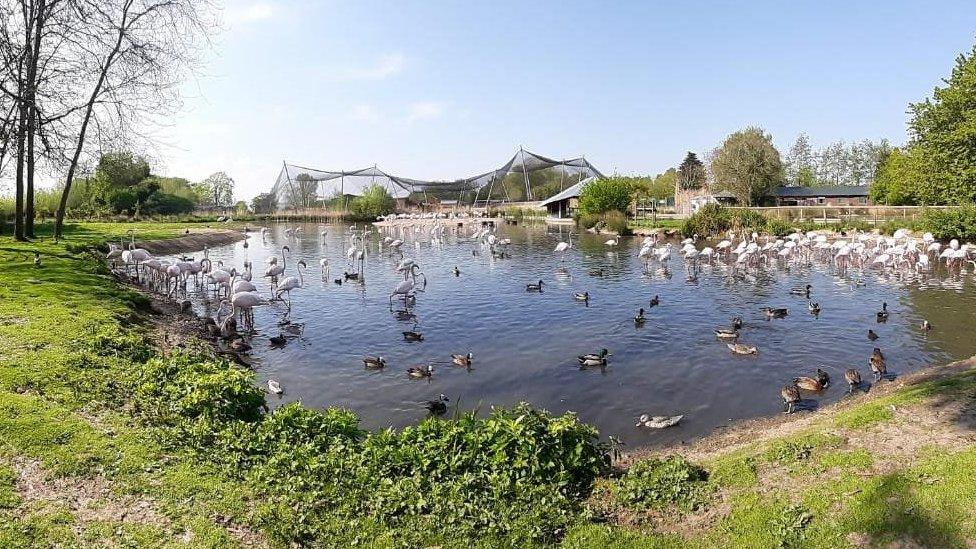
[
  {"x": 791, "y": 397},
  {"x": 457, "y": 272},
  {"x": 823, "y": 377},
  {"x": 596, "y": 272},
  {"x": 853, "y": 379},
  {"x": 742, "y": 348},
  {"x": 726, "y": 333},
  {"x": 883, "y": 313},
  {"x": 462, "y": 360},
  {"x": 736, "y": 322},
  {"x": 775, "y": 313},
  {"x": 437, "y": 407},
  {"x": 274, "y": 387},
  {"x": 655, "y": 301},
  {"x": 658, "y": 422},
  {"x": 592, "y": 359},
  {"x": 872, "y": 335},
  {"x": 639, "y": 318},
  {"x": 374, "y": 362},
  {"x": 926, "y": 326},
  {"x": 420, "y": 371},
  {"x": 278, "y": 340},
  {"x": 585, "y": 296},
  {"x": 814, "y": 308},
  {"x": 413, "y": 336},
  {"x": 802, "y": 291},
  {"x": 534, "y": 287}
]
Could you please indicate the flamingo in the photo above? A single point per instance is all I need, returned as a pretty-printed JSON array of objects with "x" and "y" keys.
[
  {"x": 291, "y": 283},
  {"x": 563, "y": 246},
  {"x": 244, "y": 303}
]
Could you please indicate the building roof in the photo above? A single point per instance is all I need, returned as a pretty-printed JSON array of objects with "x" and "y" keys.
[
  {"x": 814, "y": 192},
  {"x": 570, "y": 192}
]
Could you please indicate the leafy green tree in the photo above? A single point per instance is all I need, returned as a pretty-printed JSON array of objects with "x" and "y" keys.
[
  {"x": 691, "y": 172},
  {"x": 748, "y": 165},
  {"x": 263, "y": 203},
  {"x": 306, "y": 191},
  {"x": 800, "y": 165},
  {"x": 216, "y": 191},
  {"x": 606, "y": 194},
  {"x": 943, "y": 129},
  {"x": 374, "y": 201},
  {"x": 898, "y": 182},
  {"x": 664, "y": 183}
]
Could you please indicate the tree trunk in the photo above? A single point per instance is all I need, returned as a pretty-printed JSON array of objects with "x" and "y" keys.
[
  {"x": 19, "y": 200},
  {"x": 29, "y": 195},
  {"x": 34, "y": 54}
]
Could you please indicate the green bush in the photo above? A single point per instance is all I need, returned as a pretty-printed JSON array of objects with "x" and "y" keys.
[
  {"x": 587, "y": 221},
  {"x": 606, "y": 194},
  {"x": 663, "y": 482},
  {"x": 950, "y": 223},
  {"x": 616, "y": 221},
  {"x": 375, "y": 201}
]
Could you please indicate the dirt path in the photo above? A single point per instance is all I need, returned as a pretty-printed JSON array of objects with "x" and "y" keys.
[{"x": 193, "y": 240}]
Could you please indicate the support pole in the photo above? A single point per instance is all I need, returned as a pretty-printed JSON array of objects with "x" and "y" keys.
[{"x": 525, "y": 173}]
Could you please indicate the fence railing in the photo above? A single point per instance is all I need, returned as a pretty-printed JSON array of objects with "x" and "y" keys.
[{"x": 838, "y": 214}]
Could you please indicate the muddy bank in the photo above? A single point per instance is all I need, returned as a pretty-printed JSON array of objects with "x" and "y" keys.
[
  {"x": 194, "y": 240},
  {"x": 737, "y": 435}
]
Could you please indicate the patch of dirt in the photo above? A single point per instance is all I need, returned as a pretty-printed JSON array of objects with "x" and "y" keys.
[
  {"x": 193, "y": 240},
  {"x": 12, "y": 321}
]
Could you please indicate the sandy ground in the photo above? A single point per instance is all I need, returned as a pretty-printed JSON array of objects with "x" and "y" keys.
[{"x": 193, "y": 240}]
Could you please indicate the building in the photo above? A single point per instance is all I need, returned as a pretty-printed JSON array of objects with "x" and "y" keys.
[
  {"x": 563, "y": 205},
  {"x": 839, "y": 195}
]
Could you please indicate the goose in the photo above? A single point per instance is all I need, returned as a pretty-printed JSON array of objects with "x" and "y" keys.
[
  {"x": 438, "y": 406},
  {"x": 813, "y": 307},
  {"x": 872, "y": 335},
  {"x": 274, "y": 387},
  {"x": 853, "y": 378},
  {"x": 639, "y": 318},
  {"x": 413, "y": 336},
  {"x": 585, "y": 296},
  {"x": 655, "y": 301},
  {"x": 278, "y": 340},
  {"x": 462, "y": 360},
  {"x": 726, "y": 333},
  {"x": 775, "y": 313},
  {"x": 742, "y": 348},
  {"x": 823, "y": 377},
  {"x": 420, "y": 371},
  {"x": 374, "y": 362},
  {"x": 878, "y": 364},
  {"x": 658, "y": 422},
  {"x": 801, "y": 291},
  {"x": 883, "y": 313},
  {"x": 791, "y": 397},
  {"x": 534, "y": 287},
  {"x": 594, "y": 359},
  {"x": 926, "y": 326},
  {"x": 808, "y": 383}
]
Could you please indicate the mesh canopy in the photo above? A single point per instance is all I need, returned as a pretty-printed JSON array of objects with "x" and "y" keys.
[{"x": 527, "y": 176}]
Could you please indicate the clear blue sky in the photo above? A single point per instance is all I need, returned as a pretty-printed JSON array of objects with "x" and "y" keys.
[{"x": 448, "y": 89}]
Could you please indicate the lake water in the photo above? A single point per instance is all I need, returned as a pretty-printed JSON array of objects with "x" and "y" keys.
[{"x": 525, "y": 344}]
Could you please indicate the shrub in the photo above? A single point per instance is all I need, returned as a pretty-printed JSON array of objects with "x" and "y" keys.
[
  {"x": 662, "y": 482},
  {"x": 616, "y": 221},
  {"x": 950, "y": 223},
  {"x": 587, "y": 221},
  {"x": 605, "y": 194},
  {"x": 375, "y": 201},
  {"x": 710, "y": 219}
]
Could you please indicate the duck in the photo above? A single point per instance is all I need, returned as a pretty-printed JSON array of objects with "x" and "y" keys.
[
  {"x": 813, "y": 307},
  {"x": 872, "y": 335},
  {"x": 585, "y": 296},
  {"x": 883, "y": 313},
  {"x": 926, "y": 326},
  {"x": 726, "y": 333},
  {"x": 802, "y": 291},
  {"x": 420, "y": 371},
  {"x": 457, "y": 272},
  {"x": 878, "y": 364},
  {"x": 274, "y": 387},
  {"x": 736, "y": 322},
  {"x": 639, "y": 317},
  {"x": 239, "y": 345},
  {"x": 413, "y": 336},
  {"x": 374, "y": 362},
  {"x": 775, "y": 313},
  {"x": 37, "y": 259},
  {"x": 594, "y": 359},
  {"x": 338, "y": 281},
  {"x": 437, "y": 406},
  {"x": 791, "y": 397},
  {"x": 534, "y": 287},
  {"x": 853, "y": 378},
  {"x": 823, "y": 377},
  {"x": 658, "y": 422},
  {"x": 278, "y": 340},
  {"x": 596, "y": 272},
  {"x": 462, "y": 360},
  {"x": 655, "y": 301},
  {"x": 808, "y": 383},
  {"x": 742, "y": 348},
  {"x": 350, "y": 276}
]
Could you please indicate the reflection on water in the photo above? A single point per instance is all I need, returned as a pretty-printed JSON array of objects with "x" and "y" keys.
[{"x": 525, "y": 344}]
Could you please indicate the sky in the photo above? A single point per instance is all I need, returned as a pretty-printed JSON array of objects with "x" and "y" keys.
[{"x": 448, "y": 89}]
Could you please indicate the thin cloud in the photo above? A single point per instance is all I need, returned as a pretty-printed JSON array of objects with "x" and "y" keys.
[
  {"x": 365, "y": 113},
  {"x": 385, "y": 67},
  {"x": 247, "y": 13},
  {"x": 424, "y": 110}
]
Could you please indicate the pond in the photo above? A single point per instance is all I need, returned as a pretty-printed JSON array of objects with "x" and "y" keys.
[{"x": 525, "y": 344}]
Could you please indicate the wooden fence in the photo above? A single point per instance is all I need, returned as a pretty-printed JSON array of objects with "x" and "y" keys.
[{"x": 838, "y": 214}]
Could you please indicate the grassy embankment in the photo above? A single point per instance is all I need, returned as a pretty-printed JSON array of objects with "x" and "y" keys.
[{"x": 104, "y": 436}]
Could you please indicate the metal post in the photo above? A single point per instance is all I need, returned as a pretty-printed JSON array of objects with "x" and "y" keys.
[{"x": 525, "y": 173}]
